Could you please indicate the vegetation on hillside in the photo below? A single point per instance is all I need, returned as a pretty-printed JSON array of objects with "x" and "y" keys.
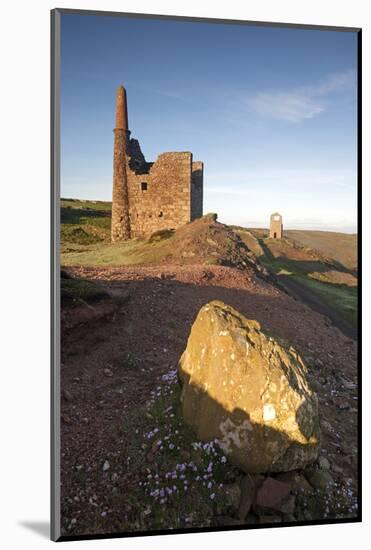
[
  {"x": 328, "y": 269},
  {"x": 85, "y": 222},
  {"x": 333, "y": 282},
  {"x": 85, "y": 240},
  {"x": 74, "y": 291}
]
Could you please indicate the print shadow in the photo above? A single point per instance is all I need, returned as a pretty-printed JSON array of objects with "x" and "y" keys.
[{"x": 41, "y": 528}]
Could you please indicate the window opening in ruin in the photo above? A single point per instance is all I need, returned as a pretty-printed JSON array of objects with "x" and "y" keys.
[
  {"x": 144, "y": 186},
  {"x": 275, "y": 235}
]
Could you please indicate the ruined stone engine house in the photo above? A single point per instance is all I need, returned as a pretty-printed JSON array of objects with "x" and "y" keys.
[
  {"x": 150, "y": 196},
  {"x": 276, "y": 226}
]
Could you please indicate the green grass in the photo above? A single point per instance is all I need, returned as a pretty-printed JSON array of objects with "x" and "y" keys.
[
  {"x": 179, "y": 496},
  {"x": 161, "y": 235},
  {"x": 88, "y": 204},
  {"x": 341, "y": 297},
  {"x": 173, "y": 484},
  {"x": 85, "y": 222},
  {"x": 86, "y": 238},
  {"x": 173, "y": 480},
  {"x": 79, "y": 235},
  {"x": 126, "y": 361},
  {"x": 133, "y": 252}
]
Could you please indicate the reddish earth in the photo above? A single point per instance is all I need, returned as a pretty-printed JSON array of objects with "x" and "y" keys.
[{"x": 154, "y": 311}]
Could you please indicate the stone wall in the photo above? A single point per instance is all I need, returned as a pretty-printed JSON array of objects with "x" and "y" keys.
[
  {"x": 197, "y": 190},
  {"x": 276, "y": 227},
  {"x": 160, "y": 196}
]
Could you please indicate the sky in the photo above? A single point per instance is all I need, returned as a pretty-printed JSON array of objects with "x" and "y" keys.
[{"x": 271, "y": 111}]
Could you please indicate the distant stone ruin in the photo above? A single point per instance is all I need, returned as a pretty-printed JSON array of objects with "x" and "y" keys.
[
  {"x": 276, "y": 227},
  {"x": 150, "y": 196}
]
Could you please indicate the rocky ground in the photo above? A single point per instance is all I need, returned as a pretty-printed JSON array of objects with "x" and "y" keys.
[{"x": 128, "y": 463}]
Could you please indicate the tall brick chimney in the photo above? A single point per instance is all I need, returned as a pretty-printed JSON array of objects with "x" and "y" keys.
[{"x": 120, "y": 224}]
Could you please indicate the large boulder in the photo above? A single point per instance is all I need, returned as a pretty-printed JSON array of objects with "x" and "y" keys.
[{"x": 248, "y": 390}]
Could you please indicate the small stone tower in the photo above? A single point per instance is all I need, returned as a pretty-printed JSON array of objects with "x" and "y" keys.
[
  {"x": 120, "y": 225},
  {"x": 276, "y": 227}
]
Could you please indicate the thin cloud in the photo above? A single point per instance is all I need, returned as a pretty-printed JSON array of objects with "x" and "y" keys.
[
  {"x": 301, "y": 103},
  {"x": 293, "y": 107}
]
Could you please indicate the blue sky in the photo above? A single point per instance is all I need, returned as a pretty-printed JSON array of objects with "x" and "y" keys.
[{"x": 270, "y": 111}]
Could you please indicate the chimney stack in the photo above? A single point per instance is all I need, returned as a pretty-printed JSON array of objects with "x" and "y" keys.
[
  {"x": 120, "y": 224},
  {"x": 121, "y": 109}
]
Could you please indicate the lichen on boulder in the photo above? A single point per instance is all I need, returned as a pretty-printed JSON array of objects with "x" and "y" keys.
[{"x": 249, "y": 390}]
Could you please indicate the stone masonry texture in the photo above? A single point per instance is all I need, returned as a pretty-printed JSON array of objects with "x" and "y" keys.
[
  {"x": 150, "y": 196},
  {"x": 276, "y": 227},
  {"x": 120, "y": 225}
]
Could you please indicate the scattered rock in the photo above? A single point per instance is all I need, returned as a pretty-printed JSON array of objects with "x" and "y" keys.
[
  {"x": 248, "y": 492},
  {"x": 271, "y": 493},
  {"x": 326, "y": 426},
  {"x": 337, "y": 469},
  {"x": 66, "y": 419},
  {"x": 232, "y": 496},
  {"x": 250, "y": 391},
  {"x": 108, "y": 372},
  {"x": 67, "y": 395},
  {"x": 297, "y": 482},
  {"x": 106, "y": 466},
  {"x": 287, "y": 506},
  {"x": 323, "y": 463},
  {"x": 206, "y": 275},
  {"x": 348, "y": 384},
  {"x": 319, "y": 479}
]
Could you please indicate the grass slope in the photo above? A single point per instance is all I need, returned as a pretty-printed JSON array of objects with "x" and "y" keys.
[
  {"x": 85, "y": 241},
  {"x": 85, "y": 222},
  {"x": 340, "y": 247},
  {"x": 331, "y": 282},
  {"x": 323, "y": 261}
]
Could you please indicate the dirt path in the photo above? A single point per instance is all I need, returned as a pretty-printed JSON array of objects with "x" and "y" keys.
[
  {"x": 304, "y": 294},
  {"x": 111, "y": 365}
]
